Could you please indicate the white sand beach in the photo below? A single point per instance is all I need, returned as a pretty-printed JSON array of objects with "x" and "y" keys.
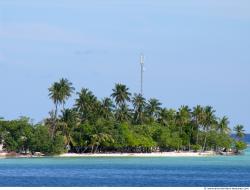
[
  {"x": 3, "y": 154},
  {"x": 154, "y": 154}
]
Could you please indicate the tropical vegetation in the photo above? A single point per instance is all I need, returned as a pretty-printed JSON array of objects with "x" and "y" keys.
[{"x": 120, "y": 123}]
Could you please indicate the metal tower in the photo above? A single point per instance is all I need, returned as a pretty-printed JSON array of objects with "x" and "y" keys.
[{"x": 142, "y": 70}]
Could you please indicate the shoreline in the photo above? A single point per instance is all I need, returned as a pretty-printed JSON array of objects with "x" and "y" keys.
[
  {"x": 119, "y": 154},
  {"x": 153, "y": 154}
]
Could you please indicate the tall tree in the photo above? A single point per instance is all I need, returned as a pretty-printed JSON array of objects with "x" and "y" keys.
[
  {"x": 121, "y": 94},
  {"x": 59, "y": 92},
  {"x": 167, "y": 117},
  {"x": 223, "y": 124},
  {"x": 197, "y": 114},
  {"x": 139, "y": 103},
  {"x": 55, "y": 95},
  {"x": 208, "y": 120},
  {"x": 153, "y": 108},
  {"x": 87, "y": 104},
  {"x": 66, "y": 89},
  {"x": 123, "y": 113},
  {"x": 68, "y": 121},
  {"x": 183, "y": 119},
  {"x": 239, "y": 130},
  {"x": 107, "y": 107}
]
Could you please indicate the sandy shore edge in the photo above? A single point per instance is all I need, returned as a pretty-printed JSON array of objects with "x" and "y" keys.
[{"x": 154, "y": 154}]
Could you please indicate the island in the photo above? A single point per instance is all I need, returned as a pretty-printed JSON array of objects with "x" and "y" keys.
[{"x": 122, "y": 124}]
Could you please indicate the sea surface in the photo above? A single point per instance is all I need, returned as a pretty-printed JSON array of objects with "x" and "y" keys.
[{"x": 179, "y": 171}]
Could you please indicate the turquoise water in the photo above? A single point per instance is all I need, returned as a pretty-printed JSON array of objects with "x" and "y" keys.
[
  {"x": 195, "y": 171},
  {"x": 202, "y": 171}
]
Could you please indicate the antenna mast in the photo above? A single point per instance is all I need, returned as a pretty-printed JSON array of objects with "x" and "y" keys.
[{"x": 142, "y": 68}]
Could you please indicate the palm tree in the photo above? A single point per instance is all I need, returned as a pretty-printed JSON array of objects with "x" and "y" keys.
[
  {"x": 153, "y": 108},
  {"x": 68, "y": 120},
  {"x": 86, "y": 104},
  {"x": 239, "y": 129},
  {"x": 139, "y": 103},
  {"x": 123, "y": 113},
  {"x": 59, "y": 92},
  {"x": 51, "y": 123},
  {"x": 99, "y": 138},
  {"x": 223, "y": 125},
  {"x": 208, "y": 120},
  {"x": 66, "y": 90},
  {"x": 167, "y": 117},
  {"x": 183, "y": 117},
  {"x": 121, "y": 94},
  {"x": 197, "y": 115},
  {"x": 55, "y": 95},
  {"x": 184, "y": 120},
  {"x": 107, "y": 107}
]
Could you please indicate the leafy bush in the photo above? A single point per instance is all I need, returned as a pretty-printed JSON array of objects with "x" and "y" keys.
[
  {"x": 196, "y": 147},
  {"x": 240, "y": 145},
  {"x": 58, "y": 145}
]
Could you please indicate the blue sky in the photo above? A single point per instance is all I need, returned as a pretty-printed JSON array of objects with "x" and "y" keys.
[{"x": 196, "y": 52}]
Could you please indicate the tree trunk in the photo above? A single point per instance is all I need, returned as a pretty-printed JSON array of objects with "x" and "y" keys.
[
  {"x": 96, "y": 149},
  {"x": 197, "y": 134},
  {"x": 92, "y": 148},
  {"x": 56, "y": 110},
  {"x": 180, "y": 132},
  {"x": 54, "y": 122},
  {"x": 189, "y": 145},
  {"x": 205, "y": 141},
  {"x": 85, "y": 149},
  {"x": 178, "y": 148},
  {"x": 197, "y": 137}
]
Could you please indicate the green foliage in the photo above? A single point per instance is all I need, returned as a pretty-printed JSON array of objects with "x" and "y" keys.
[
  {"x": 239, "y": 130},
  {"x": 139, "y": 104},
  {"x": 60, "y": 91},
  {"x": 153, "y": 109},
  {"x": 224, "y": 141},
  {"x": 240, "y": 145},
  {"x": 41, "y": 141},
  {"x": 17, "y": 134},
  {"x": 121, "y": 94},
  {"x": 10, "y": 144},
  {"x": 219, "y": 140},
  {"x": 58, "y": 145},
  {"x": 196, "y": 147},
  {"x": 81, "y": 136},
  {"x": 129, "y": 138},
  {"x": 87, "y": 105},
  {"x": 176, "y": 141},
  {"x": 130, "y": 124}
]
